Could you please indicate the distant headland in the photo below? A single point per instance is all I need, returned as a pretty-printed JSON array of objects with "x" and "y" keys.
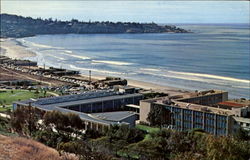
[{"x": 13, "y": 26}]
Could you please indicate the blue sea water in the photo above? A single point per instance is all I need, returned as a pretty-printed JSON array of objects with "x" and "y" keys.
[{"x": 212, "y": 57}]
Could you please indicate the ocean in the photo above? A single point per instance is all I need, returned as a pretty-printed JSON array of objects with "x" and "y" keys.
[{"x": 214, "y": 56}]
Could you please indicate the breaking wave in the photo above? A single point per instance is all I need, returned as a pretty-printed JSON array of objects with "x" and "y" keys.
[
  {"x": 60, "y": 58},
  {"x": 150, "y": 69},
  {"x": 73, "y": 55},
  {"x": 119, "y": 63},
  {"x": 44, "y": 46},
  {"x": 205, "y": 78},
  {"x": 67, "y": 51},
  {"x": 211, "y": 76},
  {"x": 96, "y": 70}
]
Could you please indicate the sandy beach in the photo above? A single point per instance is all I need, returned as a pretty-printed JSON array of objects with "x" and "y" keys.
[
  {"x": 10, "y": 48},
  {"x": 147, "y": 86}
]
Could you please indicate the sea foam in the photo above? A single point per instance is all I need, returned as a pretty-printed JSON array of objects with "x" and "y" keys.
[
  {"x": 44, "y": 46},
  {"x": 119, "y": 63},
  {"x": 96, "y": 70},
  {"x": 73, "y": 55},
  {"x": 212, "y": 76},
  {"x": 150, "y": 69},
  {"x": 57, "y": 57}
]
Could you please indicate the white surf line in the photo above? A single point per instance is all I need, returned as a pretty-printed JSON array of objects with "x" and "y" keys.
[
  {"x": 56, "y": 57},
  {"x": 42, "y": 45},
  {"x": 96, "y": 70},
  {"x": 211, "y": 76},
  {"x": 72, "y": 55},
  {"x": 150, "y": 69},
  {"x": 119, "y": 63}
]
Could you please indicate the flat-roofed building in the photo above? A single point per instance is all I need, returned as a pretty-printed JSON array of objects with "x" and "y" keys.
[
  {"x": 133, "y": 107},
  {"x": 85, "y": 103},
  {"x": 197, "y": 112},
  {"x": 118, "y": 117},
  {"x": 3, "y": 59},
  {"x": 24, "y": 63},
  {"x": 244, "y": 123},
  {"x": 206, "y": 97}
]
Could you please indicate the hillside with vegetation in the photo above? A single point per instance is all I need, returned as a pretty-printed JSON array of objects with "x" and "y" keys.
[
  {"x": 23, "y": 149},
  {"x": 18, "y": 26},
  {"x": 64, "y": 132}
]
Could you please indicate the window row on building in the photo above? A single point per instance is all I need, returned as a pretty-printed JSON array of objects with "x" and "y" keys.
[
  {"x": 185, "y": 119},
  {"x": 105, "y": 106}
]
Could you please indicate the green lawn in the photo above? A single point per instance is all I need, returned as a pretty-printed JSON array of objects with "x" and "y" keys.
[
  {"x": 6, "y": 108},
  {"x": 148, "y": 129},
  {"x": 8, "y": 97}
]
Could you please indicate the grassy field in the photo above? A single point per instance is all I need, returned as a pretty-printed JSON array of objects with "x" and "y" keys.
[
  {"x": 8, "y": 97},
  {"x": 6, "y": 108},
  {"x": 148, "y": 129}
]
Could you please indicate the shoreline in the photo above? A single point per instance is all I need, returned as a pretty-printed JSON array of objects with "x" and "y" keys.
[
  {"x": 15, "y": 49},
  {"x": 146, "y": 85}
]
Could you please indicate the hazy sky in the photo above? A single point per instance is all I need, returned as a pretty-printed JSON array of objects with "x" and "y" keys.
[{"x": 136, "y": 11}]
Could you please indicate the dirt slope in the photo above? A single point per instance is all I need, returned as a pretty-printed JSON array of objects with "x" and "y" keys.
[{"x": 16, "y": 148}]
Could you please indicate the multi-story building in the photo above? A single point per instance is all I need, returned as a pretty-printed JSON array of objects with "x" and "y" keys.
[
  {"x": 86, "y": 104},
  {"x": 200, "y": 111}
]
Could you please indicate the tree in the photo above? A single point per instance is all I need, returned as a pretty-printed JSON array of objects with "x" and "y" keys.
[
  {"x": 37, "y": 91},
  {"x": 63, "y": 123},
  {"x": 119, "y": 136},
  {"x": 56, "y": 119},
  {"x": 44, "y": 93},
  {"x": 75, "y": 123},
  {"x": 124, "y": 132},
  {"x": 50, "y": 138},
  {"x": 242, "y": 134},
  {"x": 159, "y": 116},
  {"x": 226, "y": 148},
  {"x": 83, "y": 150},
  {"x": 146, "y": 150},
  {"x": 92, "y": 134},
  {"x": 25, "y": 119}
]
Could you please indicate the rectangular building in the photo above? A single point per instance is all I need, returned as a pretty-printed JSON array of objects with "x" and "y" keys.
[
  {"x": 199, "y": 113},
  {"x": 85, "y": 103}
]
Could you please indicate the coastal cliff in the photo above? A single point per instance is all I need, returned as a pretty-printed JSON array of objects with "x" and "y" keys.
[{"x": 18, "y": 26}]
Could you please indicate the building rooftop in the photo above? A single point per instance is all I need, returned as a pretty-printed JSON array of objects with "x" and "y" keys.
[
  {"x": 200, "y": 94},
  {"x": 86, "y": 101},
  {"x": 232, "y": 104},
  {"x": 84, "y": 116},
  {"x": 241, "y": 119},
  {"x": 133, "y": 106},
  {"x": 57, "y": 103},
  {"x": 76, "y": 97},
  {"x": 203, "y": 108},
  {"x": 113, "y": 116}
]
